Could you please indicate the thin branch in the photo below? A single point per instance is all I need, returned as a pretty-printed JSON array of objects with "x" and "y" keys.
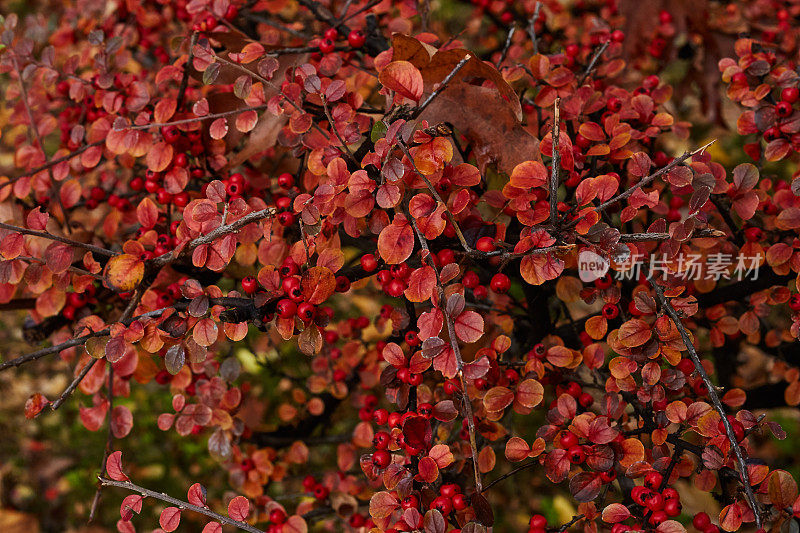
[
  {"x": 575, "y": 520},
  {"x": 185, "y": 79},
  {"x": 657, "y": 236},
  {"x": 74, "y": 385},
  {"x": 442, "y": 86},
  {"x": 196, "y": 119},
  {"x": 109, "y": 443},
  {"x": 593, "y": 62},
  {"x": 65, "y": 240},
  {"x": 713, "y": 396},
  {"x": 506, "y": 46},
  {"x": 532, "y": 27},
  {"x": 213, "y": 235},
  {"x": 52, "y": 163},
  {"x": 555, "y": 162},
  {"x": 71, "y": 268},
  {"x": 509, "y": 474},
  {"x": 457, "y": 352},
  {"x": 77, "y": 341},
  {"x": 180, "y": 504},
  {"x": 335, "y": 130},
  {"x": 643, "y": 182}
]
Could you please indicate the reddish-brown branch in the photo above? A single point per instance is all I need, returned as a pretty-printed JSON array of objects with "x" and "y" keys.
[
  {"x": 713, "y": 396},
  {"x": 65, "y": 240},
  {"x": 180, "y": 504},
  {"x": 555, "y": 162},
  {"x": 459, "y": 360}
]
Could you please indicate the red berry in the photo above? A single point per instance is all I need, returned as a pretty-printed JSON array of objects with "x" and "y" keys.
[
  {"x": 701, "y": 521},
  {"x": 326, "y": 46},
  {"x": 470, "y": 279},
  {"x": 286, "y": 219},
  {"x": 783, "y": 109},
  {"x": 286, "y": 180},
  {"x": 356, "y": 39},
  {"x": 538, "y": 521},
  {"x": 368, "y": 263},
  {"x": 485, "y": 244},
  {"x": 790, "y": 94},
  {"x": 381, "y": 458},
  {"x": 576, "y": 454},
  {"x": 331, "y": 33},
  {"x": 249, "y": 284},
  {"x": 653, "y": 480},
  {"x": 276, "y": 516},
  {"x": 443, "y": 504},
  {"x": 500, "y": 283},
  {"x": 610, "y": 311},
  {"x": 568, "y": 440},
  {"x": 286, "y": 308},
  {"x": 794, "y": 302}
]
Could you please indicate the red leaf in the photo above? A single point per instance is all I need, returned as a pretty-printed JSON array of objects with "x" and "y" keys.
[
  {"x": 469, "y": 326},
  {"x": 114, "y": 467},
  {"x": 130, "y": 504},
  {"x": 318, "y": 284},
  {"x": 239, "y": 508},
  {"x": 396, "y": 241},
  {"x": 403, "y": 78},
  {"x": 170, "y": 519}
]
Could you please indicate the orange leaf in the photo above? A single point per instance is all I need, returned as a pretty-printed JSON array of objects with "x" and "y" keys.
[
  {"x": 403, "y": 78},
  {"x": 396, "y": 241},
  {"x": 318, "y": 284},
  {"x": 123, "y": 272}
]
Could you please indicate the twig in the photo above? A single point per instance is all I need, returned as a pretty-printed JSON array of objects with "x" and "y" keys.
[
  {"x": 73, "y": 342},
  {"x": 555, "y": 162},
  {"x": 196, "y": 119},
  {"x": 109, "y": 443},
  {"x": 74, "y": 385},
  {"x": 34, "y": 129},
  {"x": 185, "y": 79},
  {"x": 71, "y": 268},
  {"x": 180, "y": 504},
  {"x": 213, "y": 235},
  {"x": 509, "y": 474},
  {"x": 459, "y": 360},
  {"x": 590, "y": 66},
  {"x": 442, "y": 86},
  {"x": 53, "y": 162},
  {"x": 532, "y": 27},
  {"x": 65, "y": 240},
  {"x": 644, "y": 181},
  {"x": 657, "y": 236},
  {"x": 335, "y": 130},
  {"x": 575, "y": 520},
  {"x": 504, "y": 53},
  {"x": 713, "y": 396},
  {"x": 365, "y": 7}
]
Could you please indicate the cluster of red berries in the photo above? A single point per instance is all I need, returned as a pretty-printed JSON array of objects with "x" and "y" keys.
[
  {"x": 283, "y": 202},
  {"x": 355, "y": 39},
  {"x": 208, "y": 22},
  {"x": 404, "y": 374},
  {"x": 277, "y": 517},
  {"x": 76, "y": 301},
  {"x": 393, "y": 281},
  {"x": 311, "y": 485},
  {"x": 702, "y": 522},
  {"x": 659, "y": 505},
  {"x": 784, "y": 108},
  {"x": 294, "y": 304},
  {"x": 664, "y": 32}
]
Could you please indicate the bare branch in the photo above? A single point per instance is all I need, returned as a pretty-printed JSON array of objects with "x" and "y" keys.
[
  {"x": 442, "y": 86},
  {"x": 713, "y": 396},
  {"x": 65, "y": 240},
  {"x": 221, "y": 231},
  {"x": 459, "y": 360},
  {"x": 180, "y": 504},
  {"x": 555, "y": 162}
]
